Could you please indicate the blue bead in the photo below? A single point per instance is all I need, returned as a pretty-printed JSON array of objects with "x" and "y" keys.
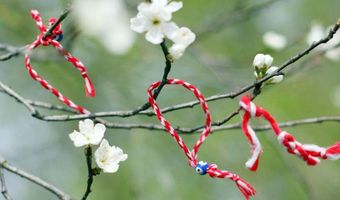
[
  {"x": 59, "y": 37},
  {"x": 201, "y": 168}
]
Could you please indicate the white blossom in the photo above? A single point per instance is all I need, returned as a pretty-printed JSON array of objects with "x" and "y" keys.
[
  {"x": 316, "y": 33},
  {"x": 331, "y": 48},
  {"x": 177, "y": 50},
  {"x": 88, "y": 133},
  {"x": 108, "y": 157},
  {"x": 333, "y": 54},
  {"x": 182, "y": 38},
  {"x": 274, "y": 40},
  {"x": 107, "y": 21},
  {"x": 262, "y": 61},
  {"x": 275, "y": 79},
  {"x": 154, "y": 19}
]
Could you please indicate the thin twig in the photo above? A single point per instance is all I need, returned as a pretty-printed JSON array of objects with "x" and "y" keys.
[
  {"x": 60, "y": 19},
  {"x": 4, "y": 190},
  {"x": 19, "y": 99},
  {"x": 166, "y": 72},
  {"x": 88, "y": 155},
  {"x": 218, "y": 128},
  {"x": 11, "y": 51},
  {"x": 36, "y": 180}
]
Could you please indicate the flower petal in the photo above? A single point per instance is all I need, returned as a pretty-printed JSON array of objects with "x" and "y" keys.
[
  {"x": 98, "y": 134},
  {"x": 86, "y": 126},
  {"x": 177, "y": 50},
  {"x": 117, "y": 154},
  {"x": 143, "y": 6},
  {"x": 108, "y": 158},
  {"x": 112, "y": 168},
  {"x": 271, "y": 70},
  {"x": 259, "y": 60},
  {"x": 79, "y": 139},
  {"x": 174, "y": 6},
  {"x": 183, "y": 36},
  {"x": 268, "y": 60},
  {"x": 155, "y": 35},
  {"x": 170, "y": 29},
  {"x": 160, "y": 2},
  {"x": 139, "y": 24}
]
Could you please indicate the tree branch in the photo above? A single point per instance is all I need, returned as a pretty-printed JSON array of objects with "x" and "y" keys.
[
  {"x": 36, "y": 180},
  {"x": 166, "y": 72},
  {"x": 4, "y": 191},
  {"x": 142, "y": 109},
  {"x": 11, "y": 51},
  {"x": 19, "y": 99},
  {"x": 218, "y": 128}
]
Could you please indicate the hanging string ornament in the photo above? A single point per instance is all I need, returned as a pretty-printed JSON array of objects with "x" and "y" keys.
[
  {"x": 201, "y": 167},
  {"x": 53, "y": 39},
  {"x": 310, "y": 153}
]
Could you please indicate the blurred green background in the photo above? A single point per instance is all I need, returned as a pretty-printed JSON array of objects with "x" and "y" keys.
[{"x": 220, "y": 61}]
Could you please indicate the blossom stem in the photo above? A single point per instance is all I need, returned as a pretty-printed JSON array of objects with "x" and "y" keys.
[
  {"x": 166, "y": 72},
  {"x": 166, "y": 69},
  {"x": 88, "y": 154}
]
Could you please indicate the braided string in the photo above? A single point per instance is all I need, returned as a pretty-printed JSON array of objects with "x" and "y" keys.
[
  {"x": 53, "y": 40},
  {"x": 308, "y": 152},
  {"x": 200, "y": 167}
]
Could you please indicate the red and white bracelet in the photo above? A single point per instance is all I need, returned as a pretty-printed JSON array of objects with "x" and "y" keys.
[
  {"x": 201, "y": 167},
  {"x": 53, "y": 40},
  {"x": 310, "y": 153}
]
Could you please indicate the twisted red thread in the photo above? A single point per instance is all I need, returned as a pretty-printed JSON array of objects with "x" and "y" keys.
[
  {"x": 213, "y": 171},
  {"x": 308, "y": 152},
  {"x": 49, "y": 40}
]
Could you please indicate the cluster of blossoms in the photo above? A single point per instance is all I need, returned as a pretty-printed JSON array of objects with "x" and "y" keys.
[
  {"x": 263, "y": 67},
  {"x": 107, "y": 157},
  {"x": 154, "y": 18}
]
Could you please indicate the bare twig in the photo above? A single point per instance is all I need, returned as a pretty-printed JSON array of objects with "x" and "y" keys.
[
  {"x": 4, "y": 191},
  {"x": 60, "y": 19},
  {"x": 36, "y": 180},
  {"x": 218, "y": 128},
  {"x": 11, "y": 51},
  {"x": 19, "y": 99},
  {"x": 88, "y": 155},
  {"x": 166, "y": 72}
]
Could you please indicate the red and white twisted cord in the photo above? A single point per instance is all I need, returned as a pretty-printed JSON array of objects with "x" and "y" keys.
[
  {"x": 50, "y": 40},
  {"x": 201, "y": 167},
  {"x": 310, "y": 153}
]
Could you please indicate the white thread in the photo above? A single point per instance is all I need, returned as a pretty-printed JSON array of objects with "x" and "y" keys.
[
  {"x": 256, "y": 151},
  {"x": 252, "y": 109},
  {"x": 281, "y": 136}
]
